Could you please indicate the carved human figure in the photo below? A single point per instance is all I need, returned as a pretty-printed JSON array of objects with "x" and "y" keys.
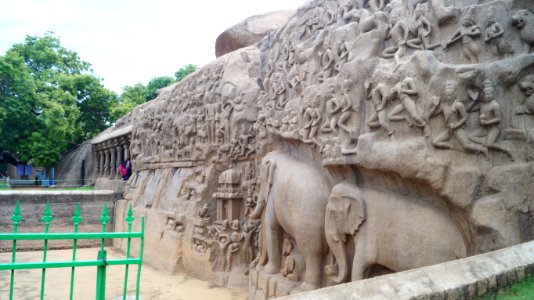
[
  {"x": 278, "y": 90},
  {"x": 343, "y": 56},
  {"x": 288, "y": 266},
  {"x": 455, "y": 115},
  {"x": 333, "y": 107},
  {"x": 494, "y": 36},
  {"x": 246, "y": 148},
  {"x": 248, "y": 249},
  {"x": 467, "y": 34},
  {"x": 224, "y": 126},
  {"x": 423, "y": 30},
  {"x": 233, "y": 248},
  {"x": 292, "y": 121},
  {"x": 527, "y": 86},
  {"x": 202, "y": 212},
  {"x": 490, "y": 117},
  {"x": 346, "y": 12},
  {"x": 310, "y": 119},
  {"x": 379, "y": 96},
  {"x": 311, "y": 24},
  {"x": 398, "y": 35},
  {"x": 407, "y": 93},
  {"x": 327, "y": 62},
  {"x": 348, "y": 108},
  {"x": 288, "y": 53}
]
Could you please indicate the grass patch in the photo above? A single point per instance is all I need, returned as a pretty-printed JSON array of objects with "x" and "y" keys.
[
  {"x": 523, "y": 290},
  {"x": 80, "y": 188}
]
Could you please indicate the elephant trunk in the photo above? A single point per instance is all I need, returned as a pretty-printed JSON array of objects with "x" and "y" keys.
[
  {"x": 261, "y": 203},
  {"x": 256, "y": 213},
  {"x": 337, "y": 273}
]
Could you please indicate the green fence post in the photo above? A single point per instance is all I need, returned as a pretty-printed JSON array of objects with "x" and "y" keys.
[
  {"x": 76, "y": 219},
  {"x": 102, "y": 256},
  {"x": 129, "y": 219},
  {"x": 47, "y": 218},
  {"x": 141, "y": 247},
  {"x": 16, "y": 218}
]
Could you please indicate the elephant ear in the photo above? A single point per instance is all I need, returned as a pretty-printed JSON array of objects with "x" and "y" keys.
[{"x": 356, "y": 211}]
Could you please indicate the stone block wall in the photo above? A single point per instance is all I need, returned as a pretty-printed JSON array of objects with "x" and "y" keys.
[
  {"x": 62, "y": 205},
  {"x": 466, "y": 278}
]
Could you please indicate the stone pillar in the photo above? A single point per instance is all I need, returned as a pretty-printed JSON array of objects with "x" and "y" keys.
[
  {"x": 119, "y": 160},
  {"x": 106, "y": 163},
  {"x": 112, "y": 164},
  {"x": 126, "y": 151},
  {"x": 101, "y": 161},
  {"x": 97, "y": 160}
]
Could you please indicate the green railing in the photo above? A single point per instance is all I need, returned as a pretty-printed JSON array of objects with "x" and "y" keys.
[{"x": 101, "y": 262}]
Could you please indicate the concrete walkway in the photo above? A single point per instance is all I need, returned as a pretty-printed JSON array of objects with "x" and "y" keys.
[{"x": 154, "y": 284}]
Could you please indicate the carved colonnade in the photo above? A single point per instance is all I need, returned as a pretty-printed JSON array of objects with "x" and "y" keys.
[{"x": 109, "y": 154}]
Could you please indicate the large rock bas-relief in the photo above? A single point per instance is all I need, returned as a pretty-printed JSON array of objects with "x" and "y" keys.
[{"x": 358, "y": 139}]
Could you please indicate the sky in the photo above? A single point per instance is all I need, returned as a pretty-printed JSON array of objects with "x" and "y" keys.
[{"x": 131, "y": 41}]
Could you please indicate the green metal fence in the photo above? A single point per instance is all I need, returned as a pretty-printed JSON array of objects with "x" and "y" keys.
[{"x": 101, "y": 262}]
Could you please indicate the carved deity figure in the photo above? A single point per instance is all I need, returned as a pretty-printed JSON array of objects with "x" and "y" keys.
[
  {"x": 467, "y": 34},
  {"x": 527, "y": 86},
  {"x": 455, "y": 116},
  {"x": 407, "y": 93},
  {"x": 379, "y": 96},
  {"x": 490, "y": 117}
]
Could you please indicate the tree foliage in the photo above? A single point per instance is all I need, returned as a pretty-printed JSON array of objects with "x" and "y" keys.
[
  {"x": 184, "y": 71},
  {"x": 133, "y": 95},
  {"x": 49, "y": 100},
  {"x": 157, "y": 83}
]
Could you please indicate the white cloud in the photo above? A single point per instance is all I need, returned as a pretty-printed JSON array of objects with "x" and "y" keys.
[{"x": 131, "y": 41}]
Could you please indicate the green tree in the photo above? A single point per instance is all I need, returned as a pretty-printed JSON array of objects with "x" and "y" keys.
[
  {"x": 19, "y": 104},
  {"x": 131, "y": 97},
  {"x": 157, "y": 83},
  {"x": 59, "y": 102},
  {"x": 184, "y": 71}
]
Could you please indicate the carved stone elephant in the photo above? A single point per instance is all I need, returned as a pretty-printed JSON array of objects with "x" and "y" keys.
[
  {"x": 293, "y": 197},
  {"x": 390, "y": 231}
]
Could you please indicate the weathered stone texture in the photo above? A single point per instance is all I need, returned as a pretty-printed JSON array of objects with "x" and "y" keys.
[{"x": 361, "y": 138}]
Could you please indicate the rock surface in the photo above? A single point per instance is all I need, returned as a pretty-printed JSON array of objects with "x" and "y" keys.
[
  {"x": 358, "y": 139},
  {"x": 250, "y": 31}
]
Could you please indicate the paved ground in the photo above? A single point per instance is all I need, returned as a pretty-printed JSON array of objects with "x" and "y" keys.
[{"x": 154, "y": 284}]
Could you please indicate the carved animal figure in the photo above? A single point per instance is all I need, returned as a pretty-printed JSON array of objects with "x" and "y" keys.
[
  {"x": 524, "y": 21},
  {"x": 389, "y": 230},
  {"x": 291, "y": 191}
]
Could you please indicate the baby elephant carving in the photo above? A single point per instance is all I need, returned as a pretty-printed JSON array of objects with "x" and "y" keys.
[{"x": 390, "y": 231}]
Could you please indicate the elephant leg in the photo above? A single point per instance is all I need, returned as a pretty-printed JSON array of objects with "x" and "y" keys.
[
  {"x": 364, "y": 256},
  {"x": 313, "y": 258},
  {"x": 272, "y": 240}
]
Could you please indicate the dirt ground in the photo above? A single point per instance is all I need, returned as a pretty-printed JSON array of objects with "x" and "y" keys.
[{"x": 154, "y": 284}]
